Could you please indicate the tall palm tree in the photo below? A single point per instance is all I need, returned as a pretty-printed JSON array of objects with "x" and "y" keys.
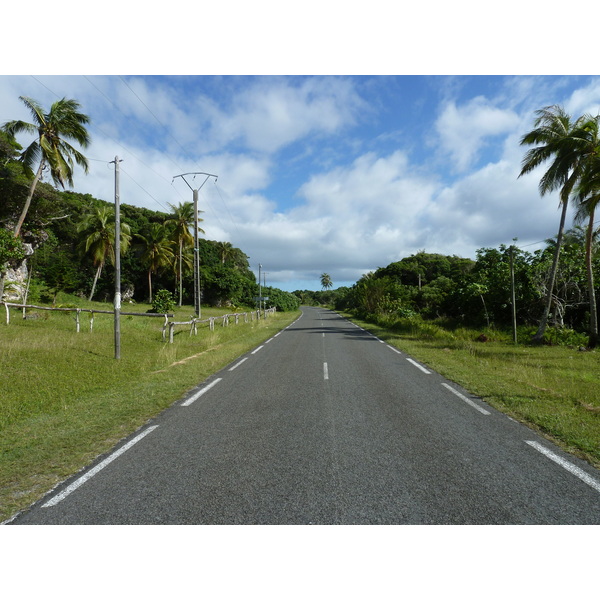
[
  {"x": 157, "y": 250},
  {"x": 226, "y": 251},
  {"x": 61, "y": 123},
  {"x": 587, "y": 196},
  {"x": 557, "y": 139},
  {"x": 181, "y": 220},
  {"x": 98, "y": 227},
  {"x": 326, "y": 282}
]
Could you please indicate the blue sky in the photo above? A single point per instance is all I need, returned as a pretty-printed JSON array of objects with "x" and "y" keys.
[{"x": 321, "y": 173}]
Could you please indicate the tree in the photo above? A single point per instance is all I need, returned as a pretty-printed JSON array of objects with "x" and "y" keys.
[
  {"x": 182, "y": 218},
  {"x": 326, "y": 282},
  {"x": 157, "y": 251},
  {"x": 98, "y": 227},
  {"x": 587, "y": 196},
  {"x": 558, "y": 139},
  {"x": 226, "y": 250},
  {"x": 63, "y": 122}
]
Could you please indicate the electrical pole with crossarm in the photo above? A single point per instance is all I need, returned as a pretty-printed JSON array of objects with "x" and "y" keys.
[{"x": 183, "y": 176}]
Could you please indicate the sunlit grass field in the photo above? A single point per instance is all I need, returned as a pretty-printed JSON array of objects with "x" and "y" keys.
[
  {"x": 65, "y": 399},
  {"x": 553, "y": 389}
]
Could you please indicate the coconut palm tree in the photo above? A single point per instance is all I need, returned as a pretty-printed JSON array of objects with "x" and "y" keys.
[
  {"x": 557, "y": 138},
  {"x": 226, "y": 251},
  {"x": 61, "y": 123},
  {"x": 587, "y": 197},
  {"x": 326, "y": 282},
  {"x": 98, "y": 227},
  {"x": 157, "y": 251},
  {"x": 181, "y": 220}
]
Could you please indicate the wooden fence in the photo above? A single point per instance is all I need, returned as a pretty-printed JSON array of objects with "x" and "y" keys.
[
  {"x": 78, "y": 311},
  {"x": 225, "y": 320},
  {"x": 193, "y": 323}
]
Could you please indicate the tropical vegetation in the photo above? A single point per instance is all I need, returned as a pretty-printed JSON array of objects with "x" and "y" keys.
[
  {"x": 66, "y": 240},
  {"x": 573, "y": 149}
]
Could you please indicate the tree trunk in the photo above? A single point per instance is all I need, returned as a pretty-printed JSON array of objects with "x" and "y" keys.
[
  {"x": 34, "y": 183},
  {"x": 539, "y": 336},
  {"x": 150, "y": 285},
  {"x": 96, "y": 277},
  {"x": 593, "y": 337}
]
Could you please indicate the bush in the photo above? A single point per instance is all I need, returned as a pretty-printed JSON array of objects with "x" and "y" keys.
[{"x": 163, "y": 302}]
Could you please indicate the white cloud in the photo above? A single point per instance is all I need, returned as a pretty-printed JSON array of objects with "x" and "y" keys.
[
  {"x": 272, "y": 112},
  {"x": 352, "y": 212},
  {"x": 463, "y": 129}
]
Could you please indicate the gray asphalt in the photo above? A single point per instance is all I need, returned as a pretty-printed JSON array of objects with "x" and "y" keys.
[{"x": 326, "y": 424}]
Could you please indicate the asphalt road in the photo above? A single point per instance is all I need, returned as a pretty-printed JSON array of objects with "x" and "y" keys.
[{"x": 327, "y": 424}]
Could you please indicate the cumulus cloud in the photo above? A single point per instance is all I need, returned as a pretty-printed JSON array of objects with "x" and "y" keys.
[
  {"x": 343, "y": 210},
  {"x": 463, "y": 130},
  {"x": 270, "y": 113}
]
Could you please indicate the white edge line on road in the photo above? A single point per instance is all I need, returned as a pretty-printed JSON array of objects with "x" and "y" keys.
[
  {"x": 255, "y": 351},
  {"x": 325, "y": 371},
  {"x": 202, "y": 391},
  {"x": 410, "y": 360},
  {"x": 238, "y": 364},
  {"x": 79, "y": 482},
  {"x": 566, "y": 465},
  {"x": 394, "y": 349},
  {"x": 467, "y": 400}
]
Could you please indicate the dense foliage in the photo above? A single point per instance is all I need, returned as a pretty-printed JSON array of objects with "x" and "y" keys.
[
  {"x": 476, "y": 293},
  {"x": 59, "y": 224}
]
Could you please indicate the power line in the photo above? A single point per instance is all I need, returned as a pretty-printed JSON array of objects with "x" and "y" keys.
[
  {"x": 159, "y": 122},
  {"x": 130, "y": 152},
  {"x": 227, "y": 208},
  {"x": 118, "y": 143},
  {"x": 146, "y": 191}
]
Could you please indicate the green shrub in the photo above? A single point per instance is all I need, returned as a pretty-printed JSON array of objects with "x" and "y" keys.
[{"x": 163, "y": 302}]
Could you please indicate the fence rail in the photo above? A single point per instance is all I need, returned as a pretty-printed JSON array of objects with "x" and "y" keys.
[{"x": 193, "y": 323}]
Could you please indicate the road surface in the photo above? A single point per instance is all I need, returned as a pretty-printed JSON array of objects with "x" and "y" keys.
[{"x": 327, "y": 424}]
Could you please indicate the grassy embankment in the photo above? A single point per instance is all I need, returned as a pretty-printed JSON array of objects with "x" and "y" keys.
[
  {"x": 555, "y": 390},
  {"x": 64, "y": 399}
]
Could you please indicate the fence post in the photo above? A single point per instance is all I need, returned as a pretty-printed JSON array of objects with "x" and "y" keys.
[
  {"x": 91, "y": 321},
  {"x": 77, "y": 319},
  {"x": 7, "y": 313}
]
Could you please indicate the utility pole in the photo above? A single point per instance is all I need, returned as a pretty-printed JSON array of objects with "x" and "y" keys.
[
  {"x": 512, "y": 291},
  {"x": 117, "y": 263},
  {"x": 264, "y": 288},
  {"x": 197, "y": 300},
  {"x": 259, "y": 288}
]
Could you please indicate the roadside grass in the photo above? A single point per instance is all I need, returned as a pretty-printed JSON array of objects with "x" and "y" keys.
[
  {"x": 64, "y": 399},
  {"x": 555, "y": 390}
]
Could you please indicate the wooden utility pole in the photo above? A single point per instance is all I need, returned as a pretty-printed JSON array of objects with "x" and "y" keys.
[
  {"x": 117, "y": 263},
  {"x": 513, "y": 295}
]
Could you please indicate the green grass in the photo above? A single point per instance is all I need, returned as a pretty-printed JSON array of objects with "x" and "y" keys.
[
  {"x": 64, "y": 399},
  {"x": 555, "y": 390}
]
